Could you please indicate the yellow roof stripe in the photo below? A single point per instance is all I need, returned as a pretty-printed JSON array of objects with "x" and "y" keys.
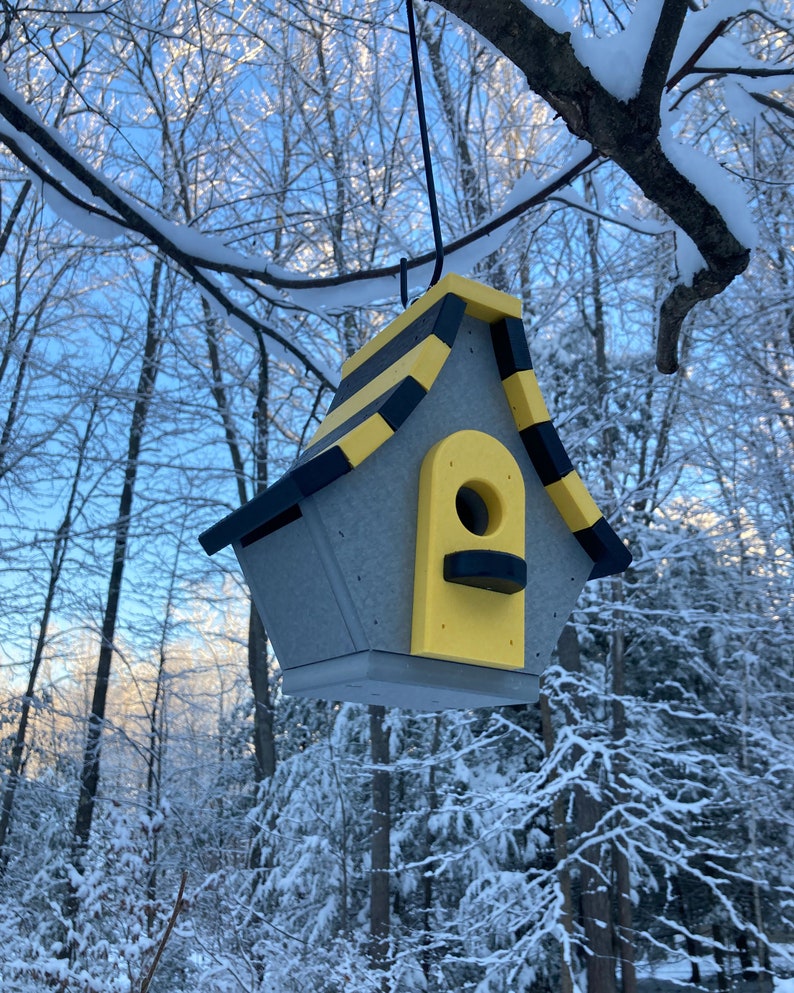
[
  {"x": 364, "y": 439},
  {"x": 526, "y": 401},
  {"x": 572, "y": 499}
]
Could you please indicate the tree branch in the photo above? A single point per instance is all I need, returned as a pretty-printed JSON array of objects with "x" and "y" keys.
[
  {"x": 773, "y": 104},
  {"x": 116, "y": 208},
  {"x": 132, "y": 217},
  {"x": 178, "y": 907},
  {"x": 660, "y": 56},
  {"x": 754, "y": 72},
  {"x": 708, "y": 41},
  {"x": 625, "y": 131}
]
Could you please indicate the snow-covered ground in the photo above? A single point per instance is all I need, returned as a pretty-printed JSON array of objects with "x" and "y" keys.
[{"x": 678, "y": 971}]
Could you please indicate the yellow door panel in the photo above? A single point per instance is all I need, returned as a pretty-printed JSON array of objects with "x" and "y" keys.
[{"x": 471, "y": 517}]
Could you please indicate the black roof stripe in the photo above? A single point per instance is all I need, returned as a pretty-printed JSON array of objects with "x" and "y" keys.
[
  {"x": 275, "y": 500},
  {"x": 510, "y": 346},
  {"x": 546, "y": 452},
  {"x": 402, "y": 402},
  {"x": 548, "y": 455},
  {"x": 610, "y": 556}
]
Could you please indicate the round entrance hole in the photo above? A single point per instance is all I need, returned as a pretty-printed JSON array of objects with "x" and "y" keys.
[{"x": 472, "y": 510}]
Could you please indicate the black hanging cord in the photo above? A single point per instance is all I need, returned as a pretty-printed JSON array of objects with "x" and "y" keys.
[{"x": 431, "y": 186}]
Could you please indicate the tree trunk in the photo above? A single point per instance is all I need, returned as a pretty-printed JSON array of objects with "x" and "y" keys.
[
  {"x": 8, "y": 227},
  {"x": 154, "y": 760},
  {"x": 379, "y": 916},
  {"x": 427, "y": 876},
  {"x": 259, "y": 674},
  {"x": 62, "y": 537},
  {"x": 13, "y": 406},
  {"x": 624, "y": 933},
  {"x": 474, "y": 198},
  {"x": 258, "y": 662},
  {"x": 558, "y": 813},
  {"x": 258, "y": 665},
  {"x": 692, "y": 947},
  {"x": 625, "y": 923},
  {"x": 595, "y": 898},
  {"x": 89, "y": 777},
  {"x": 723, "y": 980},
  {"x": 153, "y": 779}
]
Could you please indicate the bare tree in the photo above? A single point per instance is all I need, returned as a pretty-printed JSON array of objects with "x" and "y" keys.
[
  {"x": 60, "y": 547},
  {"x": 89, "y": 777},
  {"x": 379, "y": 914}
]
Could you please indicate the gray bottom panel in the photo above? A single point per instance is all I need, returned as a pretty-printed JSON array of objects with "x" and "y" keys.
[{"x": 409, "y": 681}]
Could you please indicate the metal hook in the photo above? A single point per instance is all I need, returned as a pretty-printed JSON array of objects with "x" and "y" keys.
[{"x": 431, "y": 186}]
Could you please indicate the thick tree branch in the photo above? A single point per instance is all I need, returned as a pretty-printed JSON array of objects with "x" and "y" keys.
[
  {"x": 660, "y": 56},
  {"x": 625, "y": 131}
]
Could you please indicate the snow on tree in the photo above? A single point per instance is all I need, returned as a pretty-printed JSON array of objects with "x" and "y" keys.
[{"x": 612, "y": 165}]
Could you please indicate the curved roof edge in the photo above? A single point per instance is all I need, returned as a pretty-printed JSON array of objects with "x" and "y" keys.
[{"x": 547, "y": 453}]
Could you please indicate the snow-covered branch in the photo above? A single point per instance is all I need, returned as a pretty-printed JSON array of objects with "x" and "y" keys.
[
  {"x": 622, "y": 119},
  {"x": 89, "y": 197},
  {"x": 609, "y": 91}
]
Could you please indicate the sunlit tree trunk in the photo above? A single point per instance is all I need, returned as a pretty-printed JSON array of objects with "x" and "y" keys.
[
  {"x": 154, "y": 757},
  {"x": 154, "y": 764}
]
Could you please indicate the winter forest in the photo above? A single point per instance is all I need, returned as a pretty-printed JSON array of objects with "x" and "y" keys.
[{"x": 202, "y": 211}]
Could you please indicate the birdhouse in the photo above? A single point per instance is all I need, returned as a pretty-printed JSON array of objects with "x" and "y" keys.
[{"x": 427, "y": 547}]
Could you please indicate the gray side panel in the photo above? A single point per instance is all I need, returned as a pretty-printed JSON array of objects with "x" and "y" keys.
[
  {"x": 337, "y": 579},
  {"x": 370, "y": 518},
  {"x": 410, "y": 682},
  {"x": 294, "y": 597}
]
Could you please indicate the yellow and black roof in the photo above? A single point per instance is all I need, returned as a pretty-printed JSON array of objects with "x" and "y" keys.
[{"x": 388, "y": 378}]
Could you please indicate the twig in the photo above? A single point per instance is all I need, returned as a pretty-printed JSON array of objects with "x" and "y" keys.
[{"x": 166, "y": 935}]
